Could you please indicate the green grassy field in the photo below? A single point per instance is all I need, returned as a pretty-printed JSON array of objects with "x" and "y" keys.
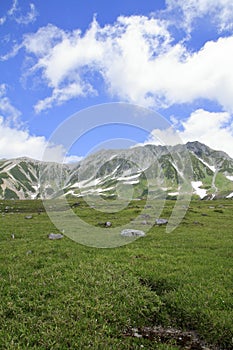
[{"x": 63, "y": 295}]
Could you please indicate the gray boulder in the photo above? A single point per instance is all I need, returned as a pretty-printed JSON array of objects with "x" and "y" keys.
[
  {"x": 144, "y": 222},
  {"x": 108, "y": 224},
  {"x": 55, "y": 236},
  {"x": 28, "y": 217},
  {"x": 161, "y": 221},
  {"x": 132, "y": 233}
]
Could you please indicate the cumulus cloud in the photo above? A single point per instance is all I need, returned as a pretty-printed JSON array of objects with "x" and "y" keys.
[
  {"x": 16, "y": 141},
  {"x": 215, "y": 129},
  {"x": 67, "y": 58},
  {"x": 220, "y": 12},
  {"x": 173, "y": 76},
  {"x": 137, "y": 60}
]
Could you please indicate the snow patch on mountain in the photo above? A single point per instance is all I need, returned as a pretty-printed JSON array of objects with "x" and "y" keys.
[
  {"x": 128, "y": 178},
  {"x": 86, "y": 183},
  {"x": 230, "y": 195},
  {"x": 132, "y": 182},
  {"x": 229, "y": 177},
  {"x": 199, "y": 191},
  {"x": 211, "y": 167},
  {"x": 178, "y": 171}
]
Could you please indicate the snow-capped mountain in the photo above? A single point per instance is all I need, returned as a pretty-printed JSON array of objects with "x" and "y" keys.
[{"x": 162, "y": 170}]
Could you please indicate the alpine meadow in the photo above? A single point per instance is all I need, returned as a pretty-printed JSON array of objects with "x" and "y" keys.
[
  {"x": 116, "y": 175},
  {"x": 161, "y": 291}
]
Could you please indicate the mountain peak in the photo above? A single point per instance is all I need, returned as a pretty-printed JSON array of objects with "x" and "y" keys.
[{"x": 199, "y": 148}]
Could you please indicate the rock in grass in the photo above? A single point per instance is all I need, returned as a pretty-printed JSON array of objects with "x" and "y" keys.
[
  {"x": 161, "y": 221},
  {"x": 55, "y": 236},
  {"x": 145, "y": 216},
  {"x": 28, "y": 217},
  {"x": 197, "y": 223},
  {"x": 132, "y": 233},
  {"x": 144, "y": 222},
  {"x": 108, "y": 224},
  {"x": 75, "y": 205}
]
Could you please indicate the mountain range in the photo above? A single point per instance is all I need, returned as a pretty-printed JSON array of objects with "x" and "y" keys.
[{"x": 162, "y": 170}]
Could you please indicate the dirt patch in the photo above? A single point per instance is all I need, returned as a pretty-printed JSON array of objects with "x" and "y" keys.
[{"x": 185, "y": 340}]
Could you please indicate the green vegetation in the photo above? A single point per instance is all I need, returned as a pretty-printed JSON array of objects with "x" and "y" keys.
[
  {"x": 26, "y": 168},
  {"x": 168, "y": 169},
  {"x": 227, "y": 166},
  {"x": 223, "y": 183},
  {"x": 9, "y": 194},
  {"x": 3, "y": 175},
  {"x": 17, "y": 173},
  {"x": 21, "y": 177},
  {"x": 62, "y": 295}
]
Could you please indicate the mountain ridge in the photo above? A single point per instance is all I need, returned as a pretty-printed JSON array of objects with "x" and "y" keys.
[{"x": 167, "y": 169}]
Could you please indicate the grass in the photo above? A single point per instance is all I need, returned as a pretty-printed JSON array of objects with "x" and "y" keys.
[
  {"x": 63, "y": 295},
  {"x": 223, "y": 183}
]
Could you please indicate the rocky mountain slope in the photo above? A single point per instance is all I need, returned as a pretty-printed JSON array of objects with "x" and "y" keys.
[{"x": 162, "y": 170}]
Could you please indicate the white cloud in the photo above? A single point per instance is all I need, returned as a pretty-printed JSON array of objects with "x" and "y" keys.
[
  {"x": 137, "y": 60},
  {"x": 183, "y": 77},
  {"x": 16, "y": 14},
  {"x": 165, "y": 137},
  {"x": 14, "y": 51},
  {"x": 173, "y": 74},
  {"x": 131, "y": 51},
  {"x": 60, "y": 95},
  {"x": 42, "y": 42},
  {"x": 7, "y": 110},
  {"x": 219, "y": 12},
  {"x": 13, "y": 8},
  {"x": 29, "y": 17},
  {"x": 17, "y": 142},
  {"x": 64, "y": 58},
  {"x": 2, "y": 20},
  {"x": 215, "y": 129},
  {"x": 72, "y": 159}
]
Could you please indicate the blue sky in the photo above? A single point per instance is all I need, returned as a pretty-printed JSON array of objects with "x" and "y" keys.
[{"x": 60, "y": 57}]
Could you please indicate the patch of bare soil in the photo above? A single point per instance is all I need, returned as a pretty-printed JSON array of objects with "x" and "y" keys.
[{"x": 185, "y": 340}]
